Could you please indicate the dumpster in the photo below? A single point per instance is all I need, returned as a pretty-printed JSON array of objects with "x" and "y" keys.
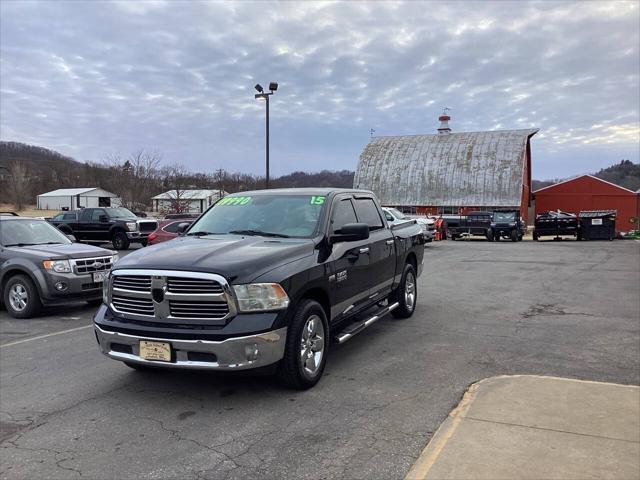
[
  {"x": 555, "y": 224},
  {"x": 597, "y": 224}
]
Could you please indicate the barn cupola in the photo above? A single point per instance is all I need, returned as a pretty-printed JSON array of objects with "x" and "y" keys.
[{"x": 444, "y": 129}]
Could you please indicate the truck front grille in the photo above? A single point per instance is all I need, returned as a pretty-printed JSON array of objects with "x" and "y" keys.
[
  {"x": 147, "y": 226},
  {"x": 89, "y": 265},
  {"x": 136, "y": 283},
  {"x": 193, "y": 285},
  {"x": 137, "y": 306},
  {"x": 191, "y": 297},
  {"x": 191, "y": 309}
]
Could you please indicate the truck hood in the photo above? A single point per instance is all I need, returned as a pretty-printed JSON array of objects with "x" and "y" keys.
[
  {"x": 63, "y": 252},
  {"x": 238, "y": 258}
]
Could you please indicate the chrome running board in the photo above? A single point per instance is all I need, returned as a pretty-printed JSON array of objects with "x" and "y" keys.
[{"x": 356, "y": 328}]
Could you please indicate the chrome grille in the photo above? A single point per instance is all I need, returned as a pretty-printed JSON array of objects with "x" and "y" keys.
[
  {"x": 89, "y": 265},
  {"x": 169, "y": 296},
  {"x": 193, "y": 285},
  {"x": 195, "y": 309},
  {"x": 137, "y": 306},
  {"x": 136, "y": 283}
]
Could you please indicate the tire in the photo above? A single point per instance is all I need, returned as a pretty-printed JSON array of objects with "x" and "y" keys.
[
  {"x": 21, "y": 297},
  {"x": 144, "y": 242},
  {"x": 120, "y": 241},
  {"x": 514, "y": 236},
  {"x": 490, "y": 236},
  {"x": 520, "y": 237},
  {"x": 496, "y": 237},
  {"x": 296, "y": 370},
  {"x": 406, "y": 294},
  {"x": 535, "y": 236}
]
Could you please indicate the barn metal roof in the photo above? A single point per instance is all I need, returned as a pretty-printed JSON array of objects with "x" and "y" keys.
[
  {"x": 188, "y": 195},
  {"x": 457, "y": 169},
  {"x": 67, "y": 192}
]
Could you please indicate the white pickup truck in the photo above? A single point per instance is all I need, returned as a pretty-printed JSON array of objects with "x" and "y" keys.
[{"x": 395, "y": 216}]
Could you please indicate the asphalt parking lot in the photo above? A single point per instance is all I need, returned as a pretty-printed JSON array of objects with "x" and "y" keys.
[{"x": 567, "y": 309}]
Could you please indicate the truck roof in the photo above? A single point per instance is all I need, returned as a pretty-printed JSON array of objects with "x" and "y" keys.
[{"x": 305, "y": 191}]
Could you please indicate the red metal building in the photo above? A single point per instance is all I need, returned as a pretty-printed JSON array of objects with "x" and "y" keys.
[{"x": 587, "y": 192}]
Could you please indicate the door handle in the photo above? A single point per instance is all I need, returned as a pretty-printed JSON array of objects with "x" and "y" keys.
[
  {"x": 390, "y": 242},
  {"x": 364, "y": 250}
]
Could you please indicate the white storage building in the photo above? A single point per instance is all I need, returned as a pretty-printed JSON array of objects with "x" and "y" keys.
[
  {"x": 186, "y": 201},
  {"x": 76, "y": 198}
]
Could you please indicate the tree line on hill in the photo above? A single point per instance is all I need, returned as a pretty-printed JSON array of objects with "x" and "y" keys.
[{"x": 28, "y": 170}]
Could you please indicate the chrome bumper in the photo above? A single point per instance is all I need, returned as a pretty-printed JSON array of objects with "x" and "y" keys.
[{"x": 239, "y": 353}]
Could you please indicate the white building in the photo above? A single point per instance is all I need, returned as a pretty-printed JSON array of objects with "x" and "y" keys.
[
  {"x": 76, "y": 198},
  {"x": 186, "y": 201}
]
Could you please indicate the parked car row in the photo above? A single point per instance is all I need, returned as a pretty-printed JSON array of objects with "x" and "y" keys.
[{"x": 496, "y": 225}]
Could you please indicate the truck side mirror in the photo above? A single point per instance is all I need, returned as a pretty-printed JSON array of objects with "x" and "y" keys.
[{"x": 351, "y": 232}]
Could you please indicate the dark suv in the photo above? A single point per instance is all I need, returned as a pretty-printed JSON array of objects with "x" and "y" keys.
[{"x": 40, "y": 266}]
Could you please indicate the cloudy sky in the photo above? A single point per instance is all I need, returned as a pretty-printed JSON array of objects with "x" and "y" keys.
[{"x": 93, "y": 78}]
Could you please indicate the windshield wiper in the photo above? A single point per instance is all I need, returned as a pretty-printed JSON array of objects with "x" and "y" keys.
[
  {"x": 201, "y": 233},
  {"x": 259, "y": 232},
  {"x": 20, "y": 244},
  {"x": 49, "y": 243}
]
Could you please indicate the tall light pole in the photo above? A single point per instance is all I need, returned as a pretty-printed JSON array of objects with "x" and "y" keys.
[{"x": 262, "y": 95}]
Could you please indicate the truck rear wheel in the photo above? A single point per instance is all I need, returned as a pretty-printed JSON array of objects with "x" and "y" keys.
[
  {"x": 21, "y": 297},
  {"x": 406, "y": 294},
  {"x": 120, "y": 241},
  {"x": 305, "y": 353},
  {"x": 514, "y": 236}
]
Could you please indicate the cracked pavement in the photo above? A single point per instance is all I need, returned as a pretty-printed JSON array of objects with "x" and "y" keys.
[{"x": 567, "y": 309}]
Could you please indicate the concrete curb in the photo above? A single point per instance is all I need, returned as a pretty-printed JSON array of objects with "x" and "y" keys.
[{"x": 447, "y": 429}]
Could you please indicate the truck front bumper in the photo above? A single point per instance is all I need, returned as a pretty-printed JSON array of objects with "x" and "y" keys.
[{"x": 236, "y": 353}]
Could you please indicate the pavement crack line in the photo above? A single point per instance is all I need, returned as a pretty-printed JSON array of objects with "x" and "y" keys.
[{"x": 548, "y": 429}]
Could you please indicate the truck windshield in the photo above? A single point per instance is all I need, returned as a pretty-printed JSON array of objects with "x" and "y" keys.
[
  {"x": 119, "y": 213},
  {"x": 264, "y": 214},
  {"x": 504, "y": 217},
  {"x": 30, "y": 232}
]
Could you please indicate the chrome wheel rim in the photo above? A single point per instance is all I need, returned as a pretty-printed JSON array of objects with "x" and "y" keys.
[
  {"x": 18, "y": 297},
  {"x": 410, "y": 290},
  {"x": 312, "y": 345}
]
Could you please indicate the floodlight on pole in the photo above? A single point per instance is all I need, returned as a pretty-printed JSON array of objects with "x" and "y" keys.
[{"x": 262, "y": 95}]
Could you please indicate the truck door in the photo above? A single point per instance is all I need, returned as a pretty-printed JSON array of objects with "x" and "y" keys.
[
  {"x": 83, "y": 227},
  {"x": 349, "y": 263},
  {"x": 382, "y": 258}
]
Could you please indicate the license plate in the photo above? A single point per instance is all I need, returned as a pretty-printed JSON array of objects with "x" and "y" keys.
[
  {"x": 155, "y": 350},
  {"x": 98, "y": 277}
]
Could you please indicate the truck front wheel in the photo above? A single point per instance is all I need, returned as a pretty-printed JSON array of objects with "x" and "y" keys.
[
  {"x": 120, "y": 241},
  {"x": 305, "y": 353},
  {"x": 21, "y": 297},
  {"x": 406, "y": 294}
]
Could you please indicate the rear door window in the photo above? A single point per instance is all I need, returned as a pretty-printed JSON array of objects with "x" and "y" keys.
[
  {"x": 343, "y": 214},
  {"x": 368, "y": 213}
]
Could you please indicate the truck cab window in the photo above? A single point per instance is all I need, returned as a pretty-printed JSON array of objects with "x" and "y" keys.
[
  {"x": 343, "y": 214},
  {"x": 368, "y": 213}
]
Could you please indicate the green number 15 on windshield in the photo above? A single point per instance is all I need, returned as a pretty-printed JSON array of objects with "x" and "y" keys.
[{"x": 317, "y": 200}]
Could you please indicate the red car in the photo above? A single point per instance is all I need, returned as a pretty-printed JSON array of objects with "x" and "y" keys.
[{"x": 167, "y": 229}]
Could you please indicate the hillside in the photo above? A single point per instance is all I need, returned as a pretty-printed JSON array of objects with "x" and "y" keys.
[{"x": 34, "y": 157}]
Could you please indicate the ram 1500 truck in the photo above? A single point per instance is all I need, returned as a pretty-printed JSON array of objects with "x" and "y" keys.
[
  {"x": 263, "y": 278},
  {"x": 117, "y": 225}
]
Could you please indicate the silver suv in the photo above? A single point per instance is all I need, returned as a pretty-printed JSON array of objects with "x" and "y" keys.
[{"x": 39, "y": 265}]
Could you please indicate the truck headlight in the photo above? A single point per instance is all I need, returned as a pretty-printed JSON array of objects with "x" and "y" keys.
[
  {"x": 260, "y": 297},
  {"x": 132, "y": 226},
  {"x": 59, "y": 266}
]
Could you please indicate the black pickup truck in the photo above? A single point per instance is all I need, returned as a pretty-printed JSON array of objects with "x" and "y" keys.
[
  {"x": 475, "y": 223},
  {"x": 118, "y": 225},
  {"x": 262, "y": 279}
]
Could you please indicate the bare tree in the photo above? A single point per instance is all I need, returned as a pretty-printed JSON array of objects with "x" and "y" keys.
[
  {"x": 136, "y": 178},
  {"x": 176, "y": 181},
  {"x": 19, "y": 183}
]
